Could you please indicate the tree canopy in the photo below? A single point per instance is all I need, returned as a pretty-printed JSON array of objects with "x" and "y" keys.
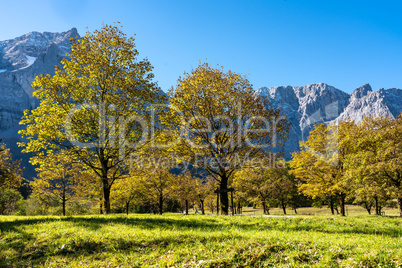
[
  {"x": 94, "y": 106},
  {"x": 222, "y": 123}
]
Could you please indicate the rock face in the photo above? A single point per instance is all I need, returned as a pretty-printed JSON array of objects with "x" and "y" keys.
[
  {"x": 322, "y": 103},
  {"x": 21, "y": 60}
]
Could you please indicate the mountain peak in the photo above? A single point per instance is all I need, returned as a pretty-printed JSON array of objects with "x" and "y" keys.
[
  {"x": 22, "y": 51},
  {"x": 323, "y": 103},
  {"x": 362, "y": 91}
]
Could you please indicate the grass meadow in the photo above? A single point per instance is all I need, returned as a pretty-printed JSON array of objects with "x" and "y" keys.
[{"x": 175, "y": 240}]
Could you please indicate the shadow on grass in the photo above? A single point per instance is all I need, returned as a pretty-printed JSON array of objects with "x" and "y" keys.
[
  {"x": 78, "y": 246},
  {"x": 25, "y": 254},
  {"x": 329, "y": 226}
]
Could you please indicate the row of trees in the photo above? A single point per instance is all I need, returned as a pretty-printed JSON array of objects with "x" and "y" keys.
[
  {"x": 341, "y": 163},
  {"x": 353, "y": 160},
  {"x": 61, "y": 181}
]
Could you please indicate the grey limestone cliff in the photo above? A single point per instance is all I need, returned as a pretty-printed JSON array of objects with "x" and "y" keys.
[
  {"x": 322, "y": 103},
  {"x": 21, "y": 60}
]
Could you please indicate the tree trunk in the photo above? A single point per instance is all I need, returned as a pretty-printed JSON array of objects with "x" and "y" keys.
[
  {"x": 400, "y": 206},
  {"x": 106, "y": 195},
  {"x": 231, "y": 202},
  {"x": 284, "y": 207},
  {"x": 295, "y": 209},
  {"x": 224, "y": 196},
  {"x": 64, "y": 205},
  {"x": 160, "y": 203},
  {"x": 331, "y": 205},
  {"x": 368, "y": 207},
  {"x": 217, "y": 204},
  {"x": 377, "y": 210},
  {"x": 186, "y": 207},
  {"x": 265, "y": 208},
  {"x": 224, "y": 203},
  {"x": 368, "y": 210},
  {"x": 127, "y": 206},
  {"x": 342, "y": 204},
  {"x": 100, "y": 206},
  {"x": 202, "y": 206}
]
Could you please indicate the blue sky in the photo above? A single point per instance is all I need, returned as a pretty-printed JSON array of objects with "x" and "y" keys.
[{"x": 274, "y": 42}]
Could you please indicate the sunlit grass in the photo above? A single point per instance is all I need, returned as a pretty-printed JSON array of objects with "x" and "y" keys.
[
  {"x": 203, "y": 241},
  {"x": 351, "y": 210}
]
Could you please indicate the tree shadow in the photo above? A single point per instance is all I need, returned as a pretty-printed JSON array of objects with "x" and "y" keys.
[{"x": 210, "y": 224}]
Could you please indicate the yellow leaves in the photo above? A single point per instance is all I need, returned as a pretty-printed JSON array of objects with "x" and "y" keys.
[
  {"x": 376, "y": 156},
  {"x": 59, "y": 175},
  {"x": 319, "y": 165},
  {"x": 10, "y": 171},
  {"x": 367, "y": 155},
  {"x": 102, "y": 69}
]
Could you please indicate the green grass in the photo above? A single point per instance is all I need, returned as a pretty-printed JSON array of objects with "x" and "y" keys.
[{"x": 200, "y": 241}]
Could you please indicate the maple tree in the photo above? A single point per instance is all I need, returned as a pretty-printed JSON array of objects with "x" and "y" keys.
[
  {"x": 376, "y": 162},
  {"x": 58, "y": 176},
  {"x": 10, "y": 170},
  {"x": 255, "y": 186},
  {"x": 94, "y": 106},
  {"x": 204, "y": 188},
  {"x": 220, "y": 121},
  {"x": 320, "y": 164},
  {"x": 283, "y": 186},
  {"x": 185, "y": 186},
  {"x": 125, "y": 191}
]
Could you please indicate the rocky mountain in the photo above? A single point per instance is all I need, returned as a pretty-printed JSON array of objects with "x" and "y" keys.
[
  {"x": 21, "y": 60},
  {"x": 322, "y": 103}
]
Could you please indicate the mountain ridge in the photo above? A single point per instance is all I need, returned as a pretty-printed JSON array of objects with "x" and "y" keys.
[{"x": 323, "y": 103}]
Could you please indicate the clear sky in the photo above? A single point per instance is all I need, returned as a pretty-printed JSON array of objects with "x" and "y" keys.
[{"x": 275, "y": 42}]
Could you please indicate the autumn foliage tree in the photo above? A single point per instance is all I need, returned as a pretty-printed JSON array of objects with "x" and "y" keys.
[
  {"x": 255, "y": 186},
  {"x": 58, "y": 176},
  {"x": 185, "y": 186},
  {"x": 376, "y": 162},
  {"x": 221, "y": 122},
  {"x": 283, "y": 186},
  {"x": 99, "y": 94},
  {"x": 156, "y": 187},
  {"x": 204, "y": 187},
  {"x": 126, "y": 190},
  {"x": 10, "y": 170},
  {"x": 320, "y": 164}
]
